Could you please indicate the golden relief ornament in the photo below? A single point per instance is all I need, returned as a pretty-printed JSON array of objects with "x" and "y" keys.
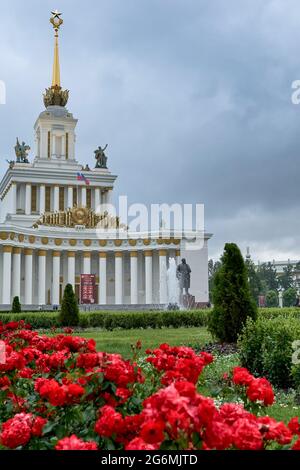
[{"x": 79, "y": 216}]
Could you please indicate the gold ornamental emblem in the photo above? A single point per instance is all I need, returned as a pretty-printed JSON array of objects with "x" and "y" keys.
[{"x": 80, "y": 215}]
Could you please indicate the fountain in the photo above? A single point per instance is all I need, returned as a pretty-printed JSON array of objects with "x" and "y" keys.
[{"x": 173, "y": 286}]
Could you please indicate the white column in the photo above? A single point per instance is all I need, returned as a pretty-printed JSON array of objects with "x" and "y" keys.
[
  {"x": 63, "y": 146},
  {"x": 280, "y": 299},
  {"x": 53, "y": 146},
  {"x": 42, "y": 198},
  {"x": 97, "y": 198},
  {"x": 133, "y": 278},
  {"x": 28, "y": 276},
  {"x": 109, "y": 196},
  {"x": 118, "y": 277},
  {"x": 56, "y": 198},
  {"x": 28, "y": 199},
  {"x": 14, "y": 198},
  {"x": 148, "y": 277},
  {"x": 102, "y": 279},
  {"x": 70, "y": 196},
  {"x": 16, "y": 283},
  {"x": 6, "y": 278},
  {"x": 163, "y": 297},
  {"x": 86, "y": 262},
  {"x": 42, "y": 278},
  {"x": 55, "y": 277},
  {"x": 71, "y": 268},
  {"x": 83, "y": 196}
]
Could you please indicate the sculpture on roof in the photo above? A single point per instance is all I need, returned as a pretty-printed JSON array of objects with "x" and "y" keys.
[
  {"x": 21, "y": 151},
  {"x": 101, "y": 158}
]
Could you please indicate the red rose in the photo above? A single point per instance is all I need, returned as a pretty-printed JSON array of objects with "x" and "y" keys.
[
  {"x": 109, "y": 422},
  {"x": 246, "y": 435},
  {"x": 241, "y": 376},
  {"x": 261, "y": 390},
  {"x": 37, "y": 426},
  {"x": 294, "y": 426},
  {"x": 139, "y": 444},
  {"x": 74, "y": 443},
  {"x": 16, "y": 431},
  {"x": 152, "y": 432}
]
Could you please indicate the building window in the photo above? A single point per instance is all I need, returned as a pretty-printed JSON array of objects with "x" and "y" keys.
[
  {"x": 61, "y": 198},
  {"x": 48, "y": 199},
  {"x": 33, "y": 199},
  {"x": 89, "y": 198},
  {"x": 75, "y": 196}
]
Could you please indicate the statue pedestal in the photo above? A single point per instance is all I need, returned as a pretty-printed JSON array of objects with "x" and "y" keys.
[{"x": 188, "y": 301}]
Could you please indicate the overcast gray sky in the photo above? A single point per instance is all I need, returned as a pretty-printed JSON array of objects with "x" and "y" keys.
[{"x": 192, "y": 96}]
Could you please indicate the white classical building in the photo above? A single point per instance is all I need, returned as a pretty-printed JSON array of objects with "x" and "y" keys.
[{"x": 49, "y": 220}]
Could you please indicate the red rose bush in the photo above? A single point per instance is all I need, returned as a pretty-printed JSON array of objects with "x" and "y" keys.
[{"x": 59, "y": 393}]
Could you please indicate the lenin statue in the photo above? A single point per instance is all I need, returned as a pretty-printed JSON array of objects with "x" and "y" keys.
[{"x": 184, "y": 276}]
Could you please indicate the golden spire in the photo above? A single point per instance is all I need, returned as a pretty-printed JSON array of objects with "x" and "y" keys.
[
  {"x": 56, "y": 22},
  {"x": 55, "y": 96}
]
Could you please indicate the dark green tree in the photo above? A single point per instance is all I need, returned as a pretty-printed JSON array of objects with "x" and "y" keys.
[
  {"x": 16, "y": 306},
  {"x": 286, "y": 279},
  {"x": 233, "y": 302},
  {"x": 69, "y": 313},
  {"x": 213, "y": 268},
  {"x": 289, "y": 297},
  {"x": 255, "y": 283},
  {"x": 268, "y": 276},
  {"x": 272, "y": 298}
]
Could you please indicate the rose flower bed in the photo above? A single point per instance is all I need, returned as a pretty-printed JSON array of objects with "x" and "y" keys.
[{"x": 59, "y": 393}]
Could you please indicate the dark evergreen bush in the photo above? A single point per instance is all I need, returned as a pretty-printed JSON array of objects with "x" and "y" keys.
[
  {"x": 69, "y": 313},
  {"x": 233, "y": 302},
  {"x": 16, "y": 306}
]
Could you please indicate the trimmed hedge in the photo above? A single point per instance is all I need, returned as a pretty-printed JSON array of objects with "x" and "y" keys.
[
  {"x": 266, "y": 349},
  {"x": 116, "y": 320},
  {"x": 111, "y": 320}
]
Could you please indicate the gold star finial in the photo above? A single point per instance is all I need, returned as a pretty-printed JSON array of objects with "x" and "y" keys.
[{"x": 56, "y": 20}]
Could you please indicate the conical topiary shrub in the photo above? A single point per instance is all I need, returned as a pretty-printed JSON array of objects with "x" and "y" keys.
[
  {"x": 232, "y": 299},
  {"x": 16, "y": 306},
  {"x": 69, "y": 313}
]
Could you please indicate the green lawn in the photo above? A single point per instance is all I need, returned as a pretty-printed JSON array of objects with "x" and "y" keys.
[{"x": 120, "y": 341}]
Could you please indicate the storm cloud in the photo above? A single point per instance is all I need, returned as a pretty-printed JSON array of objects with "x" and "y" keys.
[{"x": 192, "y": 96}]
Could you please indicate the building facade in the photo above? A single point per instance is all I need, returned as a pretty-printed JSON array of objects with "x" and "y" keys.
[{"x": 51, "y": 209}]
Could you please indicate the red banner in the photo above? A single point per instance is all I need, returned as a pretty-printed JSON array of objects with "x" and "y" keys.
[{"x": 87, "y": 288}]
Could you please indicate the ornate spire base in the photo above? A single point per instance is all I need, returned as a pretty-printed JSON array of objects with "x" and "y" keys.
[{"x": 55, "y": 96}]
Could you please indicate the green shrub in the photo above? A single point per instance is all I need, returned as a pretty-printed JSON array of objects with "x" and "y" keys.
[
  {"x": 272, "y": 298},
  {"x": 266, "y": 348},
  {"x": 233, "y": 302},
  {"x": 289, "y": 297},
  {"x": 275, "y": 312},
  {"x": 69, "y": 312},
  {"x": 16, "y": 306},
  {"x": 116, "y": 320}
]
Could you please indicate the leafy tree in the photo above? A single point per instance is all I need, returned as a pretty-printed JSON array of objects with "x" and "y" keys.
[
  {"x": 289, "y": 297},
  {"x": 255, "y": 283},
  {"x": 16, "y": 306},
  {"x": 286, "y": 280},
  {"x": 213, "y": 268},
  {"x": 268, "y": 276},
  {"x": 272, "y": 298},
  {"x": 232, "y": 299},
  {"x": 69, "y": 313}
]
